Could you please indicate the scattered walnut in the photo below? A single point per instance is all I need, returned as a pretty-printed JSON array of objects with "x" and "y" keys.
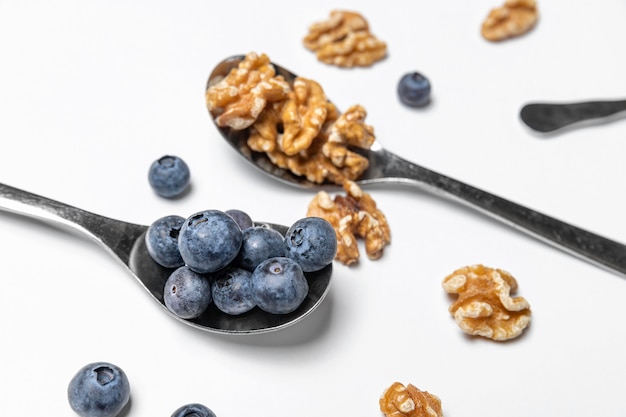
[
  {"x": 352, "y": 216},
  {"x": 514, "y": 18},
  {"x": 409, "y": 401},
  {"x": 241, "y": 96},
  {"x": 484, "y": 306},
  {"x": 345, "y": 40}
]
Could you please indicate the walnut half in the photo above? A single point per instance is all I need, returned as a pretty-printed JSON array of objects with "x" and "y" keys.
[
  {"x": 345, "y": 40},
  {"x": 484, "y": 306},
  {"x": 239, "y": 98},
  {"x": 512, "y": 19},
  {"x": 409, "y": 401}
]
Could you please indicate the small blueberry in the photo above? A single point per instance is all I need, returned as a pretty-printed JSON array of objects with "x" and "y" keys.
[
  {"x": 209, "y": 240},
  {"x": 312, "y": 242},
  {"x": 162, "y": 241},
  {"x": 193, "y": 410},
  {"x": 169, "y": 176},
  {"x": 187, "y": 294},
  {"x": 414, "y": 89},
  {"x": 232, "y": 290},
  {"x": 241, "y": 218},
  {"x": 99, "y": 389},
  {"x": 259, "y": 243},
  {"x": 279, "y": 285}
]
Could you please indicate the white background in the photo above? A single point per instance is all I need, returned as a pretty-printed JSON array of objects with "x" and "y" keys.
[{"x": 92, "y": 92}]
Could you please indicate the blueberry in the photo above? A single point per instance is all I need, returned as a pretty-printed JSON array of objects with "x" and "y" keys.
[
  {"x": 209, "y": 240},
  {"x": 259, "y": 243},
  {"x": 414, "y": 89},
  {"x": 241, "y": 218},
  {"x": 232, "y": 290},
  {"x": 187, "y": 294},
  {"x": 193, "y": 410},
  {"x": 312, "y": 242},
  {"x": 162, "y": 241},
  {"x": 169, "y": 176},
  {"x": 279, "y": 285},
  {"x": 99, "y": 389}
]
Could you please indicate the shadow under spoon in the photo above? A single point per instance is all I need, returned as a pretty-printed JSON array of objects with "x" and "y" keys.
[
  {"x": 386, "y": 167},
  {"x": 126, "y": 242},
  {"x": 554, "y": 117}
]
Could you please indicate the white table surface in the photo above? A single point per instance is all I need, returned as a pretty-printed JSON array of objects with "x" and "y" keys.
[{"x": 92, "y": 92}]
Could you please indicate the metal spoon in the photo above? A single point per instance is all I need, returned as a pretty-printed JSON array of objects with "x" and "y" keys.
[
  {"x": 126, "y": 243},
  {"x": 550, "y": 117},
  {"x": 385, "y": 167}
]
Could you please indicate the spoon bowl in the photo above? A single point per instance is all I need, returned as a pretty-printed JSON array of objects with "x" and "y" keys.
[
  {"x": 126, "y": 242},
  {"x": 386, "y": 167}
]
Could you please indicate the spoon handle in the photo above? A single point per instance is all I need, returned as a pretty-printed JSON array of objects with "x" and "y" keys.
[
  {"x": 548, "y": 117},
  {"x": 588, "y": 246},
  {"x": 114, "y": 235}
]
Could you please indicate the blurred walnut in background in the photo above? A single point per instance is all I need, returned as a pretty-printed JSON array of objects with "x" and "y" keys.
[
  {"x": 409, "y": 401},
  {"x": 345, "y": 40},
  {"x": 514, "y": 18}
]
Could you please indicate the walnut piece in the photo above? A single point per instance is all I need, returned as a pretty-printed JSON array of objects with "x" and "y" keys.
[
  {"x": 349, "y": 130},
  {"x": 264, "y": 131},
  {"x": 345, "y": 40},
  {"x": 484, "y": 306},
  {"x": 353, "y": 216},
  {"x": 409, "y": 401},
  {"x": 514, "y": 18},
  {"x": 240, "y": 97},
  {"x": 315, "y": 138},
  {"x": 303, "y": 116}
]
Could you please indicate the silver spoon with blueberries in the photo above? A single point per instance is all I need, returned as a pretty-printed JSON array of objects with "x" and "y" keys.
[
  {"x": 253, "y": 277},
  {"x": 386, "y": 167}
]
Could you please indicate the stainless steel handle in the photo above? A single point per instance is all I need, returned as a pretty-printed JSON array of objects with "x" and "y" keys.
[
  {"x": 114, "y": 235},
  {"x": 588, "y": 246}
]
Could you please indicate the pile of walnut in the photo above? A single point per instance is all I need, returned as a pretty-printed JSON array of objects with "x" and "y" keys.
[
  {"x": 401, "y": 401},
  {"x": 301, "y": 131},
  {"x": 484, "y": 306},
  {"x": 345, "y": 40},
  {"x": 514, "y": 18}
]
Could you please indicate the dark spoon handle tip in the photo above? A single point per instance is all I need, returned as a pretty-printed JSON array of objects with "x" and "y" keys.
[{"x": 549, "y": 117}]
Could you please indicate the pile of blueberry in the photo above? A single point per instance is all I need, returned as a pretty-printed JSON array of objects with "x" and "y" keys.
[
  {"x": 222, "y": 257},
  {"x": 102, "y": 389}
]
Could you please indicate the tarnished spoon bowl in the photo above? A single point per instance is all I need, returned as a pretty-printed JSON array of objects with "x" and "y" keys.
[
  {"x": 126, "y": 242},
  {"x": 386, "y": 167}
]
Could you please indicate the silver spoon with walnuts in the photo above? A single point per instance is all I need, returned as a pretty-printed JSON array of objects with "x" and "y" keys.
[{"x": 283, "y": 125}]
